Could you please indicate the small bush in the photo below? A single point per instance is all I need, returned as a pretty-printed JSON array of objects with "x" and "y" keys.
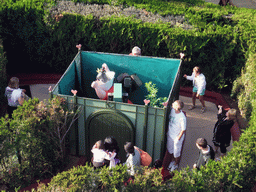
[
  {"x": 3, "y": 79},
  {"x": 36, "y": 138},
  {"x": 86, "y": 178},
  {"x": 152, "y": 95},
  {"x": 244, "y": 87}
]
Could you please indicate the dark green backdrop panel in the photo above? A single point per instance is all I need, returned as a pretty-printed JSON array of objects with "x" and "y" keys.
[{"x": 68, "y": 80}]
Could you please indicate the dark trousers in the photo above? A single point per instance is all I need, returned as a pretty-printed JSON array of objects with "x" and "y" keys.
[
  {"x": 225, "y": 2},
  {"x": 10, "y": 110}
]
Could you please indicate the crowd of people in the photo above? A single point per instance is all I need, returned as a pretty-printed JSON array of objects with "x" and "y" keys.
[
  {"x": 177, "y": 128},
  {"x": 106, "y": 153}
]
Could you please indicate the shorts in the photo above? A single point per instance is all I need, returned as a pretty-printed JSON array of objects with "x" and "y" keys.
[
  {"x": 195, "y": 90},
  {"x": 174, "y": 147}
]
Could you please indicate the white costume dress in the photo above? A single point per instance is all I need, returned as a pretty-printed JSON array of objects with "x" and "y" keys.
[{"x": 177, "y": 123}]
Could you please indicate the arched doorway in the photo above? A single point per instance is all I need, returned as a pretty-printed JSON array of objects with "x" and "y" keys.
[{"x": 107, "y": 122}]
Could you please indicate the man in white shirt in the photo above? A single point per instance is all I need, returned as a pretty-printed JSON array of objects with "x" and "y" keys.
[{"x": 175, "y": 136}]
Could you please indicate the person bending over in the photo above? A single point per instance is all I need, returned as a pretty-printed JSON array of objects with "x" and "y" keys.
[{"x": 206, "y": 153}]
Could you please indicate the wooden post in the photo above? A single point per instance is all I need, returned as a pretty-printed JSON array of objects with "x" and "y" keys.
[{"x": 145, "y": 128}]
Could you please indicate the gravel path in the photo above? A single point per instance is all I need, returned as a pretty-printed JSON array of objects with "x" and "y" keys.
[{"x": 106, "y": 11}]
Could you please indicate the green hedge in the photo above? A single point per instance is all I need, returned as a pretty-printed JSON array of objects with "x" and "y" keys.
[
  {"x": 25, "y": 35},
  {"x": 45, "y": 44},
  {"x": 34, "y": 142},
  {"x": 3, "y": 79},
  {"x": 220, "y": 46},
  {"x": 244, "y": 88}
]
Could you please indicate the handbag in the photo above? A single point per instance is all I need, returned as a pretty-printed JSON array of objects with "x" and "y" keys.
[{"x": 145, "y": 158}]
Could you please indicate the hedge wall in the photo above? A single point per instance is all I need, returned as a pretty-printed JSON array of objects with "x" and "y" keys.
[
  {"x": 44, "y": 43},
  {"x": 3, "y": 79},
  {"x": 220, "y": 45}
]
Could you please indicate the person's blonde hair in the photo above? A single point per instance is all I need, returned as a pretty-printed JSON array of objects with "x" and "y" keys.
[
  {"x": 14, "y": 83},
  {"x": 197, "y": 69},
  {"x": 179, "y": 104},
  {"x": 232, "y": 114}
]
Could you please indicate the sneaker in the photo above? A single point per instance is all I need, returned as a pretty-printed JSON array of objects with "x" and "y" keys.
[
  {"x": 170, "y": 165},
  {"x": 175, "y": 167},
  {"x": 192, "y": 107},
  {"x": 203, "y": 109}
]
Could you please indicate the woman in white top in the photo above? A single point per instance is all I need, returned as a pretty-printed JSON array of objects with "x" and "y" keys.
[
  {"x": 100, "y": 155},
  {"x": 14, "y": 94},
  {"x": 199, "y": 85}
]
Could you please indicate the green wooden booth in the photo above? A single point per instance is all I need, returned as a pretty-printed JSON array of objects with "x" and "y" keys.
[{"x": 141, "y": 124}]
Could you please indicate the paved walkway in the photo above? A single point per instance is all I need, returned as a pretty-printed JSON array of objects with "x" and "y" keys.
[
  {"x": 198, "y": 125},
  {"x": 251, "y": 4}
]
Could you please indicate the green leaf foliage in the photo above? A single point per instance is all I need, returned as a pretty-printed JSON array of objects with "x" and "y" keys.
[
  {"x": 33, "y": 142},
  {"x": 3, "y": 79},
  {"x": 152, "y": 95},
  {"x": 222, "y": 43},
  {"x": 217, "y": 43}
]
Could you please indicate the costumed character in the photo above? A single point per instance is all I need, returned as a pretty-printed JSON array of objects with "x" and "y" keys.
[{"x": 104, "y": 81}]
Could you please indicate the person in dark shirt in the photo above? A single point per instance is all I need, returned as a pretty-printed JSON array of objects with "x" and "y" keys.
[
  {"x": 205, "y": 154},
  {"x": 225, "y": 2},
  {"x": 221, "y": 131}
]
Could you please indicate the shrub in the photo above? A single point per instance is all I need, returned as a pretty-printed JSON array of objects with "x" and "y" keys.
[
  {"x": 216, "y": 43},
  {"x": 244, "y": 86},
  {"x": 25, "y": 35},
  {"x": 86, "y": 178},
  {"x": 3, "y": 79},
  {"x": 36, "y": 138},
  {"x": 152, "y": 95}
]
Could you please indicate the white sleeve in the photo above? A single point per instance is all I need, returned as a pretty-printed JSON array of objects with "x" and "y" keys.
[
  {"x": 112, "y": 163},
  {"x": 16, "y": 94},
  {"x": 191, "y": 78},
  {"x": 201, "y": 84},
  {"x": 109, "y": 156},
  {"x": 183, "y": 123}
]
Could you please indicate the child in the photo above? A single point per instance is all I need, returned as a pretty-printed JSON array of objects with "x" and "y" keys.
[
  {"x": 205, "y": 154},
  {"x": 14, "y": 94},
  {"x": 199, "y": 85},
  {"x": 99, "y": 155},
  {"x": 133, "y": 158},
  {"x": 111, "y": 145}
]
